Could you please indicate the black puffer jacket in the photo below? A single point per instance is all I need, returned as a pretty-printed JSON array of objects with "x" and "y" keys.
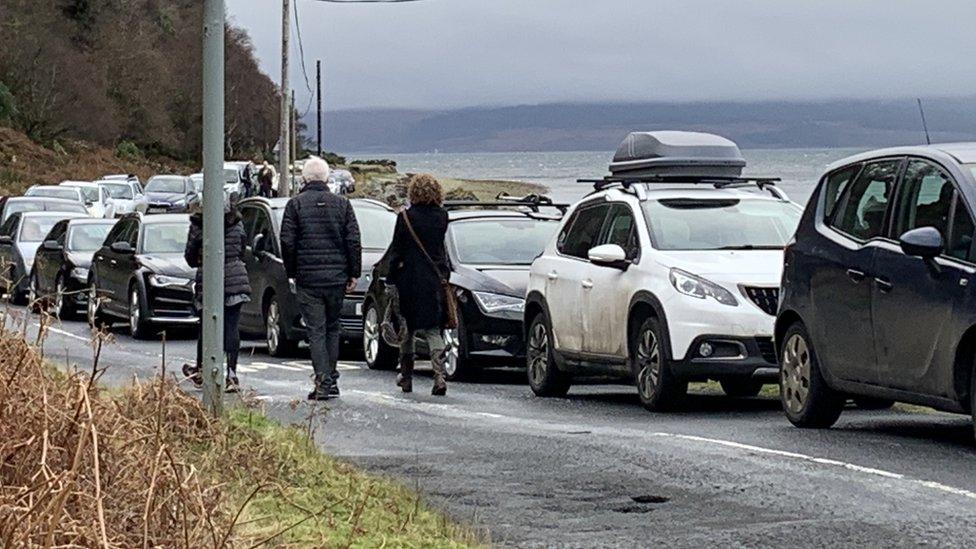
[
  {"x": 320, "y": 238},
  {"x": 235, "y": 274},
  {"x": 417, "y": 282}
]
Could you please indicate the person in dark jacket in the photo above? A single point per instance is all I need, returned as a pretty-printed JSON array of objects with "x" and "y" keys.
[
  {"x": 322, "y": 253},
  {"x": 237, "y": 289},
  {"x": 418, "y": 282},
  {"x": 266, "y": 181}
]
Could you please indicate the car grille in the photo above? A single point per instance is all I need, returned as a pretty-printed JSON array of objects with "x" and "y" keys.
[
  {"x": 766, "y": 299},
  {"x": 351, "y": 325},
  {"x": 767, "y": 349}
]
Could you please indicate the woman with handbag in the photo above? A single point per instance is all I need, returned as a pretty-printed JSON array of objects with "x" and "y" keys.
[{"x": 420, "y": 272}]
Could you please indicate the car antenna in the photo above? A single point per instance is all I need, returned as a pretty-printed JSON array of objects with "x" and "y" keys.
[{"x": 921, "y": 111}]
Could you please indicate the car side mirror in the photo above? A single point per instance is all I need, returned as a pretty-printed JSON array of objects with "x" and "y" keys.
[
  {"x": 609, "y": 255},
  {"x": 924, "y": 242},
  {"x": 121, "y": 247},
  {"x": 51, "y": 245},
  {"x": 6, "y": 239}
]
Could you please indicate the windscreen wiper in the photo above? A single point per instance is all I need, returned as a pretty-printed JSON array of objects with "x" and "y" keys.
[{"x": 750, "y": 247}]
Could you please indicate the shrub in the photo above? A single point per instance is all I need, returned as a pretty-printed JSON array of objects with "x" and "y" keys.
[{"x": 127, "y": 150}]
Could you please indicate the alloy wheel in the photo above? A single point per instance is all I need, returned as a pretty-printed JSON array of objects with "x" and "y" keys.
[
  {"x": 92, "y": 304},
  {"x": 59, "y": 298},
  {"x": 452, "y": 348},
  {"x": 272, "y": 327},
  {"x": 135, "y": 312},
  {"x": 32, "y": 292},
  {"x": 371, "y": 335},
  {"x": 649, "y": 361},
  {"x": 796, "y": 373},
  {"x": 538, "y": 353}
]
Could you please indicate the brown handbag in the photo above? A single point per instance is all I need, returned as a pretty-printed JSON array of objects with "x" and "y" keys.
[{"x": 450, "y": 302}]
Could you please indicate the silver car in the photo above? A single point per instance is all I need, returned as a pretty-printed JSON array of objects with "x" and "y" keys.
[
  {"x": 20, "y": 237},
  {"x": 125, "y": 196}
]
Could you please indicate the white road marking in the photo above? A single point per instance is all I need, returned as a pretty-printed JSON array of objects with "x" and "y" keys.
[{"x": 65, "y": 333}]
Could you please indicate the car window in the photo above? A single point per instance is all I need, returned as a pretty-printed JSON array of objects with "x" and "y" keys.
[
  {"x": 720, "y": 223},
  {"x": 164, "y": 238},
  {"x": 166, "y": 184},
  {"x": 9, "y": 225},
  {"x": 87, "y": 237},
  {"x": 622, "y": 230},
  {"x": 67, "y": 193},
  {"x": 500, "y": 241},
  {"x": 57, "y": 232},
  {"x": 132, "y": 234},
  {"x": 861, "y": 212},
  {"x": 262, "y": 225},
  {"x": 34, "y": 229},
  {"x": 960, "y": 241},
  {"x": 835, "y": 185},
  {"x": 118, "y": 190},
  {"x": 375, "y": 225},
  {"x": 924, "y": 199},
  {"x": 118, "y": 231},
  {"x": 249, "y": 216},
  {"x": 584, "y": 232}
]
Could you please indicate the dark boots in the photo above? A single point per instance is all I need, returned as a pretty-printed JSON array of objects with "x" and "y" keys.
[
  {"x": 405, "y": 377},
  {"x": 323, "y": 387},
  {"x": 440, "y": 384}
]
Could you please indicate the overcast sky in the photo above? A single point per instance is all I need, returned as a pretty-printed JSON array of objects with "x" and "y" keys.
[{"x": 453, "y": 53}]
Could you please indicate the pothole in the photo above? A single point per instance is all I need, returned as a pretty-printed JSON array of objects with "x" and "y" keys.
[
  {"x": 633, "y": 509},
  {"x": 650, "y": 499}
]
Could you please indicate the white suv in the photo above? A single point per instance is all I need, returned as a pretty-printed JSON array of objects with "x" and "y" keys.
[{"x": 660, "y": 284}]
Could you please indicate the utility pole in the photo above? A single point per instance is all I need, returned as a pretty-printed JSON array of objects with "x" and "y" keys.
[
  {"x": 294, "y": 133},
  {"x": 212, "y": 317},
  {"x": 283, "y": 146},
  {"x": 318, "y": 99}
]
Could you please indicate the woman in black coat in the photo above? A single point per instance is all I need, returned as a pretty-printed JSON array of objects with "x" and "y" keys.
[
  {"x": 418, "y": 282},
  {"x": 237, "y": 289}
]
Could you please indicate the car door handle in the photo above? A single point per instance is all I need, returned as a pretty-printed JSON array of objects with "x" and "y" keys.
[
  {"x": 883, "y": 285},
  {"x": 587, "y": 284},
  {"x": 553, "y": 275},
  {"x": 855, "y": 275}
]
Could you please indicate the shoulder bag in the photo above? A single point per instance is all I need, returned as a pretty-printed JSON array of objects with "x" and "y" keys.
[{"x": 450, "y": 303}]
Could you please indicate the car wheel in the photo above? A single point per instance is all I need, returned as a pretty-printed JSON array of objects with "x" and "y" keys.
[
  {"x": 657, "y": 386},
  {"x": 96, "y": 318},
  {"x": 14, "y": 295},
  {"x": 379, "y": 355},
  {"x": 278, "y": 343},
  {"x": 138, "y": 323},
  {"x": 741, "y": 388},
  {"x": 459, "y": 365},
  {"x": 871, "y": 403},
  {"x": 807, "y": 399},
  {"x": 58, "y": 307},
  {"x": 34, "y": 300},
  {"x": 545, "y": 378}
]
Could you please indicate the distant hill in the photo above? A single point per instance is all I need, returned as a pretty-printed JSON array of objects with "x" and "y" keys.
[{"x": 570, "y": 127}]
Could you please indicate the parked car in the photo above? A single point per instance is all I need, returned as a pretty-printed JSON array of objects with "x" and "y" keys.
[
  {"x": 59, "y": 276},
  {"x": 73, "y": 194},
  {"x": 95, "y": 197},
  {"x": 139, "y": 275},
  {"x": 169, "y": 194},
  {"x": 341, "y": 182},
  {"x": 20, "y": 237},
  {"x": 125, "y": 197},
  {"x": 133, "y": 178},
  {"x": 667, "y": 273},
  {"x": 273, "y": 312},
  {"x": 876, "y": 291},
  {"x": 490, "y": 246},
  {"x": 12, "y": 205},
  {"x": 235, "y": 174}
]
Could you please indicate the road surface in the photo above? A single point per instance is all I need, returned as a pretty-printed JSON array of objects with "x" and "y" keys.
[{"x": 594, "y": 469}]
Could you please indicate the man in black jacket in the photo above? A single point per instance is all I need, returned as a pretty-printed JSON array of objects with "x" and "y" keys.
[{"x": 323, "y": 256}]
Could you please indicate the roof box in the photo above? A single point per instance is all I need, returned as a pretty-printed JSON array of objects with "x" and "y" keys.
[{"x": 677, "y": 153}]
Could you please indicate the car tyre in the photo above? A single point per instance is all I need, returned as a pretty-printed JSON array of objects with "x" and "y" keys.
[
  {"x": 139, "y": 327},
  {"x": 871, "y": 403},
  {"x": 279, "y": 345},
  {"x": 657, "y": 387},
  {"x": 14, "y": 295},
  {"x": 545, "y": 377},
  {"x": 96, "y": 318},
  {"x": 741, "y": 388},
  {"x": 34, "y": 299},
  {"x": 460, "y": 366},
  {"x": 378, "y": 355},
  {"x": 807, "y": 399},
  {"x": 63, "y": 305}
]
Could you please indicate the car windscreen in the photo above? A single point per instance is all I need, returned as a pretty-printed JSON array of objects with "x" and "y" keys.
[
  {"x": 231, "y": 175},
  {"x": 68, "y": 193},
  {"x": 375, "y": 226},
  {"x": 500, "y": 241},
  {"x": 197, "y": 183},
  {"x": 90, "y": 193},
  {"x": 87, "y": 237},
  {"x": 166, "y": 185},
  {"x": 164, "y": 238},
  {"x": 34, "y": 229},
  {"x": 720, "y": 224},
  {"x": 118, "y": 190}
]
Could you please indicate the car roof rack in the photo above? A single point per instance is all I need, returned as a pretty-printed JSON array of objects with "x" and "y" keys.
[
  {"x": 532, "y": 202},
  {"x": 627, "y": 184}
]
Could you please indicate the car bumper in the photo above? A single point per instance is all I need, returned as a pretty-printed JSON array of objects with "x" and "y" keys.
[
  {"x": 351, "y": 317},
  {"x": 716, "y": 356},
  {"x": 690, "y": 318},
  {"x": 171, "y": 305},
  {"x": 164, "y": 207}
]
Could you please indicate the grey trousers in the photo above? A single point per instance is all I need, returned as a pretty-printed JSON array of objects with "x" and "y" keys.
[
  {"x": 435, "y": 342},
  {"x": 321, "y": 308}
]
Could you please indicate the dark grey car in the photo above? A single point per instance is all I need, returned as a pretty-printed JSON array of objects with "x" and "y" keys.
[
  {"x": 877, "y": 298},
  {"x": 20, "y": 237}
]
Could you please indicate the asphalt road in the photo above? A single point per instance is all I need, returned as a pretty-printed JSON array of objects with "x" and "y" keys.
[{"x": 594, "y": 469}]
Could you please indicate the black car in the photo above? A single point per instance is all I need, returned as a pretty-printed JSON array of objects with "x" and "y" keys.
[
  {"x": 139, "y": 274},
  {"x": 61, "y": 265},
  {"x": 273, "y": 312},
  {"x": 169, "y": 194},
  {"x": 877, "y": 299},
  {"x": 20, "y": 237},
  {"x": 490, "y": 246},
  {"x": 16, "y": 204}
]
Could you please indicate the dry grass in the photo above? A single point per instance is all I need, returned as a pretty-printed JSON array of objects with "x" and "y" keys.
[{"x": 147, "y": 467}]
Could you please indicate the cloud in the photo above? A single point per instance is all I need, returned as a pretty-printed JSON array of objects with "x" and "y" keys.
[{"x": 451, "y": 53}]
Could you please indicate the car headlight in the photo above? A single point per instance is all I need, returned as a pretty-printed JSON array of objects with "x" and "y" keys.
[
  {"x": 496, "y": 303},
  {"x": 696, "y": 286},
  {"x": 162, "y": 281},
  {"x": 79, "y": 273}
]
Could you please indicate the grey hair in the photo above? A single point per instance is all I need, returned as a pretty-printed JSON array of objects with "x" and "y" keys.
[{"x": 315, "y": 169}]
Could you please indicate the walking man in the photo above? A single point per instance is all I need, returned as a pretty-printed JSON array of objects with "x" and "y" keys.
[{"x": 323, "y": 258}]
